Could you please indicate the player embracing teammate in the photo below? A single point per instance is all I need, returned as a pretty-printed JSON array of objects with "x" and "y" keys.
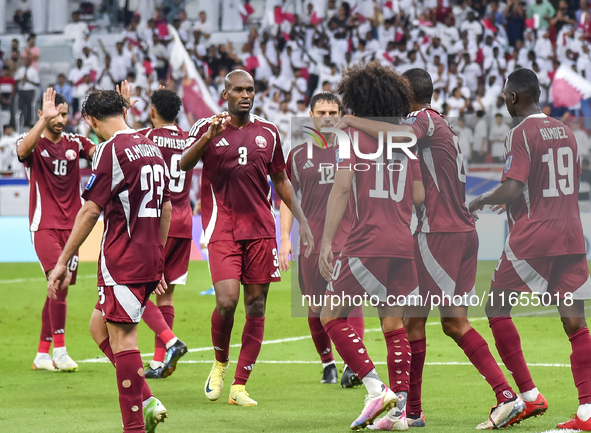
[
  {"x": 239, "y": 150},
  {"x": 545, "y": 250},
  {"x": 313, "y": 179},
  {"x": 444, "y": 221},
  {"x": 377, "y": 257}
]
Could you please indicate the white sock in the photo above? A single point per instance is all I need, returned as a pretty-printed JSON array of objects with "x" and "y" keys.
[
  {"x": 156, "y": 364},
  {"x": 171, "y": 343},
  {"x": 59, "y": 350},
  {"x": 41, "y": 355},
  {"x": 373, "y": 383},
  {"x": 584, "y": 412},
  {"x": 146, "y": 402},
  {"x": 530, "y": 395},
  {"x": 326, "y": 364}
]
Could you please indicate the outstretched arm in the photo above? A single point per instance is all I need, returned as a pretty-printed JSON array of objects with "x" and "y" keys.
[{"x": 505, "y": 193}]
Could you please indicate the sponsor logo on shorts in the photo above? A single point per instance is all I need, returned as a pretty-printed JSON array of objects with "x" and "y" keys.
[{"x": 260, "y": 141}]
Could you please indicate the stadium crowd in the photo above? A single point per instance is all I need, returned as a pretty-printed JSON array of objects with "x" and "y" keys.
[{"x": 468, "y": 47}]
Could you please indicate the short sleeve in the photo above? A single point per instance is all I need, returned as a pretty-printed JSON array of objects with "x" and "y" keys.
[
  {"x": 415, "y": 167},
  {"x": 85, "y": 146},
  {"x": 199, "y": 128},
  {"x": 421, "y": 124},
  {"x": 292, "y": 171},
  {"x": 277, "y": 159},
  {"x": 98, "y": 187},
  {"x": 517, "y": 157},
  {"x": 166, "y": 195},
  {"x": 29, "y": 159}
]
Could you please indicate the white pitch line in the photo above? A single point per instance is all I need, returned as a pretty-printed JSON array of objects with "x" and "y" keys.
[
  {"x": 208, "y": 361},
  {"x": 30, "y": 280},
  {"x": 302, "y": 337}
]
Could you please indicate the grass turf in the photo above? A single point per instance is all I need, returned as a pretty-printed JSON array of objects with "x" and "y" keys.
[{"x": 291, "y": 399}]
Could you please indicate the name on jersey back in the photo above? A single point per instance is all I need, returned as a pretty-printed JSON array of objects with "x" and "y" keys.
[{"x": 142, "y": 150}]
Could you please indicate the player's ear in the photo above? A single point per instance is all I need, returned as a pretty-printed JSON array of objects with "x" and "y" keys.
[
  {"x": 40, "y": 113},
  {"x": 225, "y": 94},
  {"x": 514, "y": 98}
]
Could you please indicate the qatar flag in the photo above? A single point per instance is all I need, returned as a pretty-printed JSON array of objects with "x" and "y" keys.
[
  {"x": 316, "y": 17},
  {"x": 390, "y": 9},
  {"x": 246, "y": 10},
  {"x": 569, "y": 88},
  {"x": 196, "y": 96},
  {"x": 281, "y": 16}
]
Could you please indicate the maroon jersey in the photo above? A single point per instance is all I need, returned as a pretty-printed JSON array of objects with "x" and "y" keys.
[
  {"x": 444, "y": 177},
  {"x": 312, "y": 180},
  {"x": 235, "y": 193},
  {"x": 382, "y": 202},
  {"x": 53, "y": 172},
  {"x": 129, "y": 182},
  {"x": 541, "y": 153},
  {"x": 171, "y": 141}
]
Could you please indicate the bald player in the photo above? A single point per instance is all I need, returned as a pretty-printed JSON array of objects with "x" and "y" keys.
[{"x": 239, "y": 150}]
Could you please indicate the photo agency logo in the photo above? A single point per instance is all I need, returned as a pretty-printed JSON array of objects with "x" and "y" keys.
[{"x": 391, "y": 152}]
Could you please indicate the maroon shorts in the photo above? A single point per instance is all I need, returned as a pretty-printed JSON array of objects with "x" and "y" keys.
[
  {"x": 251, "y": 261},
  {"x": 177, "y": 253},
  {"x": 557, "y": 274},
  {"x": 312, "y": 283},
  {"x": 124, "y": 303},
  {"x": 384, "y": 279},
  {"x": 48, "y": 245},
  {"x": 446, "y": 265}
]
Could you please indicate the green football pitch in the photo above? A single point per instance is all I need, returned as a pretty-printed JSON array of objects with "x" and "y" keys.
[{"x": 285, "y": 381}]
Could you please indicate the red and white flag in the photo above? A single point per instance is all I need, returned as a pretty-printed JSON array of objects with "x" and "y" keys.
[
  {"x": 281, "y": 17},
  {"x": 246, "y": 10},
  {"x": 569, "y": 88}
]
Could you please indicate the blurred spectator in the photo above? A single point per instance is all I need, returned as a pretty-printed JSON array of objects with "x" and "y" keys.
[
  {"x": 480, "y": 146},
  {"x": 160, "y": 54},
  {"x": 7, "y": 92},
  {"x": 585, "y": 180},
  {"x": 541, "y": 11},
  {"x": 203, "y": 26},
  {"x": 32, "y": 52},
  {"x": 63, "y": 88},
  {"x": 106, "y": 78},
  {"x": 9, "y": 162},
  {"x": 22, "y": 16},
  {"x": 456, "y": 103},
  {"x": 466, "y": 138},
  {"x": 76, "y": 78},
  {"x": 496, "y": 137},
  {"x": 28, "y": 81},
  {"x": 121, "y": 62},
  {"x": 583, "y": 144},
  {"x": 76, "y": 29},
  {"x": 90, "y": 60}
]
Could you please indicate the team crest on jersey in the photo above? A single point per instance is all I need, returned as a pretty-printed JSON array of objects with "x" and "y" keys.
[
  {"x": 71, "y": 154},
  {"x": 508, "y": 163},
  {"x": 409, "y": 120},
  {"x": 260, "y": 141},
  {"x": 90, "y": 182}
]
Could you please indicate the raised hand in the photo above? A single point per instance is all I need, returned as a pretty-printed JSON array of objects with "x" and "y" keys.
[
  {"x": 218, "y": 125},
  {"x": 125, "y": 91},
  {"x": 49, "y": 109}
]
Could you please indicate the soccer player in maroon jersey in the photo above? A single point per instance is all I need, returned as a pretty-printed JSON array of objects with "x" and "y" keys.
[
  {"x": 545, "y": 250},
  {"x": 129, "y": 184},
  {"x": 313, "y": 179},
  {"x": 171, "y": 139},
  {"x": 239, "y": 150},
  {"x": 444, "y": 220},
  {"x": 51, "y": 159},
  {"x": 377, "y": 258}
]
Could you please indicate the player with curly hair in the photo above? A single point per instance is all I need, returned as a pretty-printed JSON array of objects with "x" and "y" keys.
[{"x": 377, "y": 260}]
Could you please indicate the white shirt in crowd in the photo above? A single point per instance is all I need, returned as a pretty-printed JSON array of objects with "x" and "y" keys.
[
  {"x": 32, "y": 78},
  {"x": 496, "y": 136}
]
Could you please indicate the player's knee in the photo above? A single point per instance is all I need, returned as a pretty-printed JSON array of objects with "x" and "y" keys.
[
  {"x": 573, "y": 324},
  {"x": 452, "y": 327},
  {"x": 256, "y": 307},
  {"x": 227, "y": 306}
]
